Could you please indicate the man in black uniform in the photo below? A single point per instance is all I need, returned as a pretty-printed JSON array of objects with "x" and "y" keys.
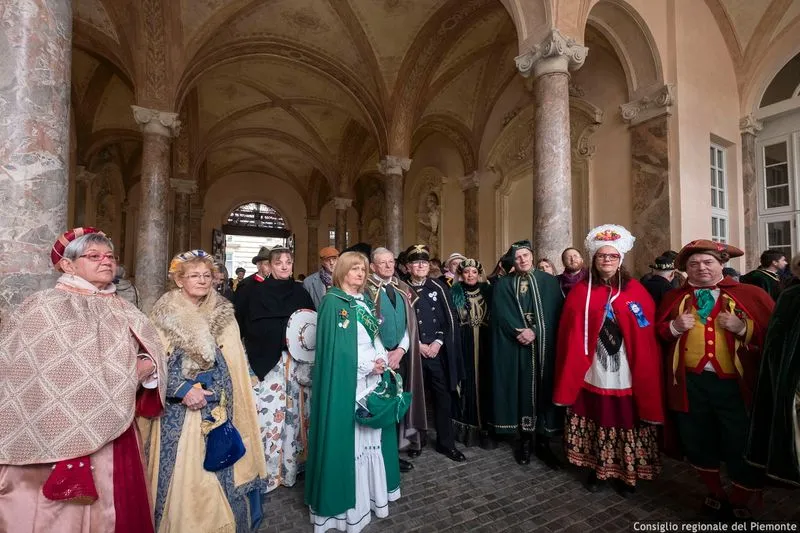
[
  {"x": 659, "y": 281},
  {"x": 439, "y": 345}
]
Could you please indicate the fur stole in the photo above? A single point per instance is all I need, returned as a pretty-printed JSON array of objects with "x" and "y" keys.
[{"x": 194, "y": 329}]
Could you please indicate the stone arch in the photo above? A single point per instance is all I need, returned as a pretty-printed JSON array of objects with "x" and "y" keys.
[
  {"x": 635, "y": 46},
  {"x": 455, "y": 131},
  {"x": 532, "y": 18},
  {"x": 771, "y": 63}
]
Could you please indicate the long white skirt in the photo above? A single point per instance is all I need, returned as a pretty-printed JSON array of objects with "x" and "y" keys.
[{"x": 372, "y": 495}]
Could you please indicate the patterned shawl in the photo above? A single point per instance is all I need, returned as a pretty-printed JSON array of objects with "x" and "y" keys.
[{"x": 68, "y": 382}]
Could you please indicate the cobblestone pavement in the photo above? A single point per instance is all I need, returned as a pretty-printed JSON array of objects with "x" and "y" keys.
[{"x": 491, "y": 493}]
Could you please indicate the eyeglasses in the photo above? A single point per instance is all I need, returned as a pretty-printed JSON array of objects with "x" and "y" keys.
[
  {"x": 419, "y": 263},
  {"x": 197, "y": 277},
  {"x": 385, "y": 263},
  {"x": 96, "y": 257},
  {"x": 608, "y": 257}
]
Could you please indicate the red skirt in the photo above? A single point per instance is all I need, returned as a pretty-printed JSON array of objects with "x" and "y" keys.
[{"x": 602, "y": 433}]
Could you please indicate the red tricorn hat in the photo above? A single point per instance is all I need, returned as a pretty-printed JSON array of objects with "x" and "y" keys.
[
  {"x": 57, "y": 253},
  {"x": 721, "y": 251}
]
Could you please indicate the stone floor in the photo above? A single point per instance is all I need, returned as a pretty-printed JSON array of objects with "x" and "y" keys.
[{"x": 491, "y": 493}]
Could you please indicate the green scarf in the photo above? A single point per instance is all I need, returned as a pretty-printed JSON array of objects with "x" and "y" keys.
[{"x": 705, "y": 303}]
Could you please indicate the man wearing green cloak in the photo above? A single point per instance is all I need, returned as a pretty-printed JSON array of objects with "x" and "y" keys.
[{"x": 525, "y": 312}]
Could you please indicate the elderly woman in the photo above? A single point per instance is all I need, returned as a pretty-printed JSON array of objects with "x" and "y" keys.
[
  {"x": 207, "y": 380},
  {"x": 472, "y": 300},
  {"x": 281, "y": 401},
  {"x": 352, "y": 469},
  {"x": 79, "y": 363},
  {"x": 608, "y": 369}
]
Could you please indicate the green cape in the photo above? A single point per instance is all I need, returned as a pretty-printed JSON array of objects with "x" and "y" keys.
[
  {"x": 330, "y": 487},
  {"x": 522, "y": 376}
]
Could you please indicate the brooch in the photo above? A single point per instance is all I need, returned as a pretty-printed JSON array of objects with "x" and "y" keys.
[
  {"x": 345, "y": 320},
  {"x": 636, "y": 309},
  {"x": 432, "y": 295}
]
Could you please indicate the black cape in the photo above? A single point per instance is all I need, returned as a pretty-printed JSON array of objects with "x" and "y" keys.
[
  {"x": 263, "y": 311},
  {"x": 774, "y": 440}
]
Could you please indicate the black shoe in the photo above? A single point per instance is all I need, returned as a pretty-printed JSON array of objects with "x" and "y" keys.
[
  {"x": 406, "y": 466},
  {"x": 622, "y": 488},
  {"x": 452, "y": 454},
  {"x": 592, "y": 484},
  {"x": 546, "y": 455},
  {"x": 716, "y": 509},
  {"x": 414, "y": 453},
  {"x": 523, "y": 453}
]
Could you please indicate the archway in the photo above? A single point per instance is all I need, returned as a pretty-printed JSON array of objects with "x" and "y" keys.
[{"x": 248, "y": 227}]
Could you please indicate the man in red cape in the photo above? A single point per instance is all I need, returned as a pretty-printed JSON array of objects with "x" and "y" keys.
[{"x": 713, "y": 329}]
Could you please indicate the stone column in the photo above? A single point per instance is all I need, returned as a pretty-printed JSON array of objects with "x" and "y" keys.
[
  {"x": 195, "y": 227},
  {"x": 313, "y": 244},
  {"x": 85, "y": 208},
  {"x": 470, "y": 184},
  {"x": 393, "y": 167},
  {"x": 158, "y": 127},
  {"x": 649, "y": 127},
  {"x": 550, "y": 62},
  {"x": 341, "y": 205},
  {"x": 749, "y": 128},
  {"x": 184, "y": 189},
  {"x": 35, "y": 46}
]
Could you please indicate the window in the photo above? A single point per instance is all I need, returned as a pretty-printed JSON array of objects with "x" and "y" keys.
[
  {"x": 776, "y": 175},
  {"x": 332, "y": 237},
  {"x": 719, "y": 197},
  {"x": 256, "y": 215},
  {"x": 779, "y": 236}
]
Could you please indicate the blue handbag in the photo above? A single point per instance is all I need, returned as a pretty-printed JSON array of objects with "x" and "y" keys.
[{"x": 224, "y": 444}]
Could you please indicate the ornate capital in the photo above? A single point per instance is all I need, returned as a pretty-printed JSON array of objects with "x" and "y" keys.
[
  {"x": 749, "y": 124},
  {"x": 342, "y": 204},
  {"x": 470, "y": 181},
  {"x": 312, "y": 222},
  {"x": 158, "y": 122},
  {"x": 658, "y": 102},
  {"x": 394, "y": 165},
  {"x": 183, "y": 186},
  {"x": 83, "y": 175},
  {"x": 555, "y": 53}
]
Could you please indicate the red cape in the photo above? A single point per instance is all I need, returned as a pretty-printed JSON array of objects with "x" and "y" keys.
[
  {"x": 640, "y": 343},
  {"x": 752, "y": 300}
]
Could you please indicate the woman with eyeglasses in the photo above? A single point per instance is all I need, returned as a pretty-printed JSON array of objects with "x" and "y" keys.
[
  {"x": 198, "y": 483},
  {"x": 79, "y": 364},
  {"x": 608, "y": 369}
]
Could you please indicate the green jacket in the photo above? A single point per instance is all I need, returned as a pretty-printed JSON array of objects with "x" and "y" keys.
[{"x": 330, "y": 487}]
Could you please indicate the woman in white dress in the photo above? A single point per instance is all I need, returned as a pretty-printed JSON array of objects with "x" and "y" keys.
[{"x": 352, "y": 469}]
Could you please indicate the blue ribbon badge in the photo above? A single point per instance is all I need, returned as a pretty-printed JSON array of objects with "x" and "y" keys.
[{"x": 636, "y": 309}]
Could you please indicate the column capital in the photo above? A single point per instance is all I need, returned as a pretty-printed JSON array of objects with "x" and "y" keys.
[
  {"x": 394, "y": 164},
  {"x": 749, "y": 124},
  {"x": 555, "y": 53},
  {"x": 656, "y": 103},
  {"x": 183, "y": 186},
  {"x": 158, "y": 122},
  {"x": 312, "y": 222},
  {"x": 470, "y": 181},
  {"x": 340, "y": 203}
]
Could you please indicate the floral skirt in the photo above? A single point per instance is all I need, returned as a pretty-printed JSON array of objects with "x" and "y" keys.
[
  {"x": 601, "y": 434},
  {"x": 283, "y": 416}
]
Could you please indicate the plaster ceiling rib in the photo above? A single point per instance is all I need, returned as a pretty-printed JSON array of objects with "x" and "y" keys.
[
  {"x": 275, "y": 101},
  {"x": 295, "y": 54},
  {"x": 362, "y": 44},
  {"x": 267, "y": 133},
  {"x": 284, "y": 172},
  {"x": 485, "y": 100},
  {"x": 457, "y": 132},
  {"x": 457, "y": 68},
  {"x": 86, "y": 109},
  {"x": 762, "y": 36},
  {"x": 241, "y": 166}
]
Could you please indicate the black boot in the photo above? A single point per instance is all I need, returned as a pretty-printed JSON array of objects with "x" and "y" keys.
[
  {"x": 592, "y": 484},
  {"x": 545, "y": 453},
  {"x": 487, "y": 442},
  {"x": 523, "y": 453},
  {"x": 622, "y": 488}
]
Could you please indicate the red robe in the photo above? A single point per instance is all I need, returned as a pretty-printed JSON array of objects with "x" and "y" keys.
[
  {"x": 640, "y": 344},
  {"x": 755, "y": 304}
]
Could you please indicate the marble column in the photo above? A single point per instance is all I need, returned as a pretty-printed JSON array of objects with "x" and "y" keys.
[
  {"x": 195, "y": 227},
  {"x": 84, "y": 205},
  {"x": 749, "y": 128},
  {"x": 549, "y": 64},
  {"x": 341, "y": 205},
  {"x": 650, "y": 165},
  {"x": 158, "y": 128},
  {"x": 393, "y": 167},
  {"x": 313, "y": 244},
  {"x": 184, "y": 189},
  {"x": 35, "y": 57},
  {"x": 470, "y": 184}
]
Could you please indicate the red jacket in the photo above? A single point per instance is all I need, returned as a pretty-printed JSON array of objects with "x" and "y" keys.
[
  {"x": 755, "y": 304},
  {"x": 640, "y": 344}
]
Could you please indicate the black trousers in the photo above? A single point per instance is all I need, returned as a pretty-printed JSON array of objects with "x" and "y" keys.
[{"x": 433, "y": 372}]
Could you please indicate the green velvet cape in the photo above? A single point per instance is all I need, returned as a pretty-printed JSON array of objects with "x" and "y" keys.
[
  {"x": 330, "y": 486},
  {"x": 522, "y": 376}
]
